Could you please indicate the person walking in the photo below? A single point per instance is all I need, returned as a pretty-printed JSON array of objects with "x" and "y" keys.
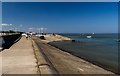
[{"x": 26, "y": 36}]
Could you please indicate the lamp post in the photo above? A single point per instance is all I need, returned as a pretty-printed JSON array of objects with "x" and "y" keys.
[
  {"x": 42, "y": 30},
  {"x": 45, "y": 30},
  {"x": 21, "y": 27},
  {"x": 39, "y": 30}
]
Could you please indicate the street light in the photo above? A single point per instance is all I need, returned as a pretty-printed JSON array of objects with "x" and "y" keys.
[
  {"x": 42, "y": 30},
  {"x": 21, "y": 27}
]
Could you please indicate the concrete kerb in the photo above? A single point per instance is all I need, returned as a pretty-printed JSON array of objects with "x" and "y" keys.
[
  {"x": 43, "y": 65},
  {"x": 33, "y": 45}
]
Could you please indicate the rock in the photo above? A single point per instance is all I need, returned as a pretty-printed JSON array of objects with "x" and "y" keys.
[
  {"x": 73, "y": 40},
  {"x": 42, "y": 37}
]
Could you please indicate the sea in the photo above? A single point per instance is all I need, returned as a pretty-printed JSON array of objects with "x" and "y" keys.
[
  {"x": 1, "y": 42},
  {"x": 101, "y": 48}
]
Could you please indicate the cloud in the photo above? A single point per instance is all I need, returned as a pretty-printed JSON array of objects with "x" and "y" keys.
[
  {"x": 30, "y": 28},
  {"x": 21, "y": 25},
  {"x": 4, "y": 24}
]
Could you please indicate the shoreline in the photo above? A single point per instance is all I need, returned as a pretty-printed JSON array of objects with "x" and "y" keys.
[
  {"x": 67, "y": 63},
  {"x": 84, "y": 58}
]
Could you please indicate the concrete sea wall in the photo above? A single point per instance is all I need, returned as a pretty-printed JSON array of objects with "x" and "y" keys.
[
  {"x": 44, "y": 67},
  {"x": 9, "y": 40}
]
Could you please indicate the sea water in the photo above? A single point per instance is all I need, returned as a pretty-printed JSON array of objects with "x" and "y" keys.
[
  {"x": 1, "y": 42},
  {"x": 101, "y": 49}
]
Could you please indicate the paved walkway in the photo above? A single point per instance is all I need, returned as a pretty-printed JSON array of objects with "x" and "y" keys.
[{"x": 19, "y": 59}]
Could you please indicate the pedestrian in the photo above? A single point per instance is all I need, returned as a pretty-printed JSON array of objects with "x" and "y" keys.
[{"x": 26, "y": 36}]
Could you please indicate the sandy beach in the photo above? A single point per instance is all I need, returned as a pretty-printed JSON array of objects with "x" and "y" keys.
[{"x": 51, "y": 38}]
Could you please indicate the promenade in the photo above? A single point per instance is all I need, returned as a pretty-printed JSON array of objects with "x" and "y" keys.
[{"x": 19, "y": 59}]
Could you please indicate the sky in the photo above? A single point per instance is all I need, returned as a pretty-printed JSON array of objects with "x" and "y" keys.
[
  {"x": 60, "y": 0},
  {"x": 61, "y": 17},
  {"x": 0, "y": 15}
]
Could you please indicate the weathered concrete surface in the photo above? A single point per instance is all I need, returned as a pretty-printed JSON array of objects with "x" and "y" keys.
[
  {"x": 66, "y": 63},
  {"x": 44, "y": 67},
  {"x": 19, "y": 59}
]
